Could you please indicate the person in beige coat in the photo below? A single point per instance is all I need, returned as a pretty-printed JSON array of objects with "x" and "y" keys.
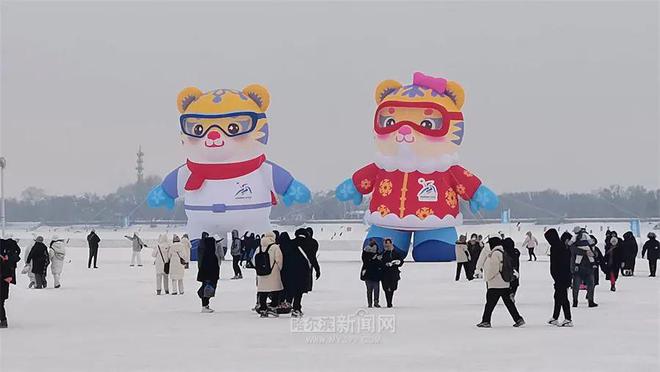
[
  {"x": 161, "y": 257},
  {"x": 270, "y": 284},
  {"x": 463, "y": 258},
  {"x": 496, "y": 286},
  {"x": 178, "y": 257}
]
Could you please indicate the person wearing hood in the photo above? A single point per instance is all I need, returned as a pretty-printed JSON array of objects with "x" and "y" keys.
[
  {"x": 509, "y": 247},
  {"x": 56, "y": 253},
  {"x": 462, "y": 258},
  {"x": 392, "y": 261},
  {"x": 614, "y": 258},
  {"x": 161, "y": 255},
  {"x": 93, "y": 243},
  {"x": 209, "y": 270},
  {"x": 652, "y": 251},
  {"x": 10, "y": 254},
  {"x": 137, "y": 245},
  {"x": 236, "y": 250},
  {"x": 300, "y": 261},
  {"x": 474, "y": 248},
  {"x": 287, "y": 248},
  {"x": 178, "y": 259},
  {"x": 530, "y": 243},
  {"x": 40, "y": 260},
  {"x": 630, "y": 249},
  {"x": 269, "y": 284},
  {"x": 496, "y": 286},
  {"x": 372, "y": 272},
  {"x": 560, "y": 270}
]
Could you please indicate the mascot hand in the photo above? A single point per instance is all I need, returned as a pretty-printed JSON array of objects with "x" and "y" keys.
[
  {"x": 346, "y": 191},
  {"x": 296, "y": 193},
  {"x": 483, "y": 198},
  {"x": 158, "y": 198}
]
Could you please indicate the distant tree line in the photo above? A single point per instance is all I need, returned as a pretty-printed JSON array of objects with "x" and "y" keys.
[{"x": 35, "y": 205}]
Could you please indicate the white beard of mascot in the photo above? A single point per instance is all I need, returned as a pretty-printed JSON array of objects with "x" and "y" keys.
[
  {"x": 415, "y": 181},
  {"x": 226, "y": 183}
]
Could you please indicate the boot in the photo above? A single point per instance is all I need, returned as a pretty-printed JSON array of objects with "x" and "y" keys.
[
  {"x": 574, "y": 303},
  {"x": 592, "y": 304},
  {"x": 613, "y": 288},
  {"x": 158, "y": 292},
  {"x": 3, "y": 323}
]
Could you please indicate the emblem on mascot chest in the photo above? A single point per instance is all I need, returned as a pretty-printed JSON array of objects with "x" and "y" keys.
[
  {"x": 244, "y": 191},
  {"x": 428, "y": 193}
]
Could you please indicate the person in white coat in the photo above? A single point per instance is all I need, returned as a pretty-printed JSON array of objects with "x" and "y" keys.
[
  {"x": 530, "y": 243},
  {"x": 57, "y": 252},
  {"x": 270, "y": 284},
  {"x": 161, "y": 256},
  {"x": 178, "y": 257},
  {"x": 137, "y": 245},
  {"x": 496, "y": 286}
]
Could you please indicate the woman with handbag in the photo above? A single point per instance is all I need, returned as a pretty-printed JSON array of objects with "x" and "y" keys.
[
  {"x": 162, "y": 264},
  {"x": 209, "y": 271},
  {"x": 178, "y": 258}
]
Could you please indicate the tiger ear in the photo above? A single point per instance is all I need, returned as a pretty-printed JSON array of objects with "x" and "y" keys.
[
  {"x": 386, "y": 88},
  {"x": 186, "y": 97},
  {"x": 259, "y": 94},
  {"x": 456, "y": 93}
]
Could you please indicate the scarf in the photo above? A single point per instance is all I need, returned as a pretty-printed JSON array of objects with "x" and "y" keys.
[{"x": 202, "y": 172}]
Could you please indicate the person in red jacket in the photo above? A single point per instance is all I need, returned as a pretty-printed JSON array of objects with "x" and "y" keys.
[{"x": 415, "y": 182}]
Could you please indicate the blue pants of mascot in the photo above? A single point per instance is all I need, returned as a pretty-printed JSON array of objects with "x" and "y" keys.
[{"x": 428, "y": 245}]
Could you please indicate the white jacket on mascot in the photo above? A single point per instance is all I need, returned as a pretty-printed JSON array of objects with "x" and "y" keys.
[
  {"x": 415, "y": 181},
  {"x": 226, "y": 182}
]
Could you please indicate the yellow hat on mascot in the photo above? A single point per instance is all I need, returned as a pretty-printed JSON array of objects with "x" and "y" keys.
[{"x": 253, "y": 98}]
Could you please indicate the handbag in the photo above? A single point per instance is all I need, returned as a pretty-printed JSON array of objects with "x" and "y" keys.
[
  {"x": 209, "y": 290},
  {"x": 183, "y": 262},
  {"x": 166, "y": 265}
]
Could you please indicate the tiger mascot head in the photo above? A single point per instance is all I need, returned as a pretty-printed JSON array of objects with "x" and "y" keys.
[
  {"x": 223, "y": 125},
  {"x": 418, "y": 126}
]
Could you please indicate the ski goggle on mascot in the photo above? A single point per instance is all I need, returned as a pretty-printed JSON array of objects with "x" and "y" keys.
[{"x": 415, "y": 181}]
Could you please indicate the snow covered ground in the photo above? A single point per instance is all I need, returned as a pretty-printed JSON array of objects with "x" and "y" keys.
[{"x": 111, "y": 320}]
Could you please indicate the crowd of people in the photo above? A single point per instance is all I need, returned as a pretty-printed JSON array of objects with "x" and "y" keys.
[{"x": 286, "y": 266}]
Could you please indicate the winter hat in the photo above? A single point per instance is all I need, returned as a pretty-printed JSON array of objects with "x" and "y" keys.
[{"x": 39, "y": 239}]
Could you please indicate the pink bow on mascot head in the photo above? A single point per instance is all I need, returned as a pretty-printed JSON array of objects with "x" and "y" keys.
[{"x": 439, "y": 85}]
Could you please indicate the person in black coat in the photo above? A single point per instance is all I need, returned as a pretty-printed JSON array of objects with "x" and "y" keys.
[
  {"x": 598, "y": 257},
  {"x": 372, "y": 272},
  {"x": 287, "y": 246},
  {"x": 208, "y": 272},
  {"x": 40, "y": 260},
  {"x": 391, "y": 274},
  {"x": 300, "y": 260},
  {"x": 93, "y": 243},
  {"x": 630, "y": 249},
  {"x": 614, "y": 258},
  {"x": 9, "y": 256},
  {"x": 652, "y": 249},
  {"x": 474, "y": 248},
  {"x": 510, "y": 248},
  {"x": 560, "y": 270}
]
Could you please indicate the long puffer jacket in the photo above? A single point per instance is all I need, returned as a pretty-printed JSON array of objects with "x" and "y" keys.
[
  {"x": 273, "y": 281},
  {"x": 57, "y": 252},
  {"x": 178, "y": 252},
  {"x": 39, "y": 259},
  {"x": 161, "y": 254}
]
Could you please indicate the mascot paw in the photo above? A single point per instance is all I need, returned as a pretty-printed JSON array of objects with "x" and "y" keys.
[
  {"x": 483, "y": 198},
  {"x": 346, "y": 191},
  {"x": 296, "y": 193},
  {"x": 158, "y": 198}
]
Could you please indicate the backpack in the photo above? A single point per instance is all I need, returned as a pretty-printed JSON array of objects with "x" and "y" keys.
[
  {"x": 507, "y": 267},
  {"x": 262, "y": 262}
]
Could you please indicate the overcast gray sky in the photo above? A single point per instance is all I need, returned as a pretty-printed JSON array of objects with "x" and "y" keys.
[{"x": 559, "y": 95}]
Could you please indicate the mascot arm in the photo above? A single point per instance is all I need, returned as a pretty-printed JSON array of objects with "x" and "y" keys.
[
  {"x": 469, "y": 187},
  {"x": 292, "y": 190},
  {"x": 164, "y": 194},
  {"x": 360, "y": 184}
]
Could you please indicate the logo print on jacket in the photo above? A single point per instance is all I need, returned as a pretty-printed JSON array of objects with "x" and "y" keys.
[
  {"x": 244, "y": 192},
  {"x": 428, "y": 193}
]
